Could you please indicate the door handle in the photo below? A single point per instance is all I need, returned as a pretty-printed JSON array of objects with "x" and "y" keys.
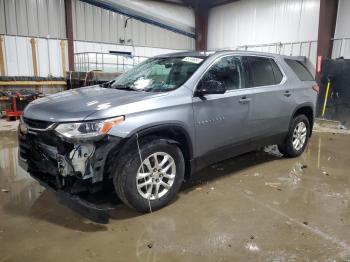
[
  {"x": 287, "y": 94},
  {"x": 245, "y": 100}
]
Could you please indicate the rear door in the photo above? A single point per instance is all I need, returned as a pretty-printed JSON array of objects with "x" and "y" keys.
[
  {"x": 220, "y": 119},
  {"x": 268, "y": 116}
]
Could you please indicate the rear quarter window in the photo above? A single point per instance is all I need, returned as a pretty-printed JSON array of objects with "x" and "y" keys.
[
  {"x": 262, "y": 71},
  {"x": 300, "y": 70}
]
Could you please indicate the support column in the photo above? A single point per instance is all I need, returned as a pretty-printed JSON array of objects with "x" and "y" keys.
[
  {"x": 34, "y": 61},
  {"x": 63, "y": 58},
  {"x": 326, "y": 30},
  {"x": 201, "y": 12},
  {"x": 69, "y": 32}
]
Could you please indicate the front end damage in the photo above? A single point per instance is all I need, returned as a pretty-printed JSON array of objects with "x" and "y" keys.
[{"x": 75, "y": 170}]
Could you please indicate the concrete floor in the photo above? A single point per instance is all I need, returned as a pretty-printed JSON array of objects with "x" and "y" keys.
[{"x": 257, "y": 207}]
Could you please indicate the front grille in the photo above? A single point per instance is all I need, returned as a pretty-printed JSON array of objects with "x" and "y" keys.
[{"x": 38, "y": 124}]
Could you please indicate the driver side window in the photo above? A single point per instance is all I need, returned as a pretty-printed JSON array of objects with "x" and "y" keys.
[{"x": 228, "y": 70}]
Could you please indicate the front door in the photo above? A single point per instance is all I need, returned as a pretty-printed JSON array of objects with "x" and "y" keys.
[{"x": 220, "y": 119}]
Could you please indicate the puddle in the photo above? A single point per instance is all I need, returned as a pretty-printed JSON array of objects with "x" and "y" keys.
[{"x": 20, "y": 188}]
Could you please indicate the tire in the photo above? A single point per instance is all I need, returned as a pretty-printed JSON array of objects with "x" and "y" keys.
[
  {"x": 125, "y": 178},
  {"x": 289, "y": 149}
]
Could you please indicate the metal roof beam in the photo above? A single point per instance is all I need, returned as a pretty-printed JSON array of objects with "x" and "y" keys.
[{"x": 125, "y": 7}]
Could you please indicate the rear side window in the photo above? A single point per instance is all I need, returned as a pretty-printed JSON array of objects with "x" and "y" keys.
[
  {"x": 300, "y": 70},
  {"x": 262, "y": 71}
]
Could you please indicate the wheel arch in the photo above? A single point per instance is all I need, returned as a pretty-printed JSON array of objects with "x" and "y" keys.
[
  {"x": 173, "y": 133},
  {"x": 306, "y": 109}
]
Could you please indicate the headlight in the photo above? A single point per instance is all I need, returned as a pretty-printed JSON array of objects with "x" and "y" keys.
[{"x": 88, "y": 129}]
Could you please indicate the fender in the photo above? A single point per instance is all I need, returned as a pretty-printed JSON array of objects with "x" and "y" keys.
[{"x": 130, "y": 140}]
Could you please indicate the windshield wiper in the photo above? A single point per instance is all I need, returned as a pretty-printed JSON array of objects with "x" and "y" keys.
[
  {"x": 125, "y": 87},
  {"x": 107, "y": 84}
]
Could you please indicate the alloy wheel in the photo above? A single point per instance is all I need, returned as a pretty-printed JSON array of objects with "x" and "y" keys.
[
  {"x": 299, "y": 136},
  {"x": 156, "y": 175}
]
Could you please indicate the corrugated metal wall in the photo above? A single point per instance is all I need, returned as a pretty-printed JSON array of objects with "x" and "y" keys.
[
  {"x": 99, "y": 25},
  {"x": 252, "y": 22},
  {"x": 95, "y": 30},
  {"x": 40, "y": 18},
  {"x": 341, "y": 44},
  {"x": 288, "y": 27}
]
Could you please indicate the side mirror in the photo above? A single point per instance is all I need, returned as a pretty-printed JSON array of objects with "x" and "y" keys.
[{"x": 210, "y": 87}]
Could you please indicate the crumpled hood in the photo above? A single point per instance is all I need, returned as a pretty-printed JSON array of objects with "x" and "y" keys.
[{"x": 77, "y": 104}]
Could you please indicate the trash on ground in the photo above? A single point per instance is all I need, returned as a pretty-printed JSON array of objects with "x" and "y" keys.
[
  {"x": 252, "y": 247},
  {"x": 5, "y": 190},
  {"x": 150, "y": 245},
  {"x": 257, "y": 174},
  {"x": 272, "y": 184},
  {"x": 325, "y": 173}
]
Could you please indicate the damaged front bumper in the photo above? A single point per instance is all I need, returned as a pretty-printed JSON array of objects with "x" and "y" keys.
[{"x": 74, "y": 170}]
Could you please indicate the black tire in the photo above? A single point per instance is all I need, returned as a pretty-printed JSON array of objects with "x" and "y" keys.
[
  {"x": 124, "y": 179},
  {"x": 287, "y": 148}
]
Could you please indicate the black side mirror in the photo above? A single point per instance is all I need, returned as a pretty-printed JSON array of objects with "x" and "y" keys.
[{"x": 210, "y": 87}]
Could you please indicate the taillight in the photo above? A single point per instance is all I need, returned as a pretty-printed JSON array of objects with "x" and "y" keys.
[{"x": 316, "y": 88}]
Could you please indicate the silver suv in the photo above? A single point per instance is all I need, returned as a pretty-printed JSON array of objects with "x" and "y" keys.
[{"x": 148, "y": 130}]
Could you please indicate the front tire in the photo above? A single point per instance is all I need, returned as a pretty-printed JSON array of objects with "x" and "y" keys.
[
  {"x": 154, "y": 183},
  {"x": 297, "y": 138}
]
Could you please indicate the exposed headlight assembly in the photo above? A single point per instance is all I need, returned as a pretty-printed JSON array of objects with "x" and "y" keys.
[{"x": 85, "y": 130}]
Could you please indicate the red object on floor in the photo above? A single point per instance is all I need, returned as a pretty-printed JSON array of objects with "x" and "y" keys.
[{"x": 13, "y": 113}]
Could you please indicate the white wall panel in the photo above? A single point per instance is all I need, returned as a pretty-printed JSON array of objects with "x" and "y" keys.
[
  {"x": 24, "y": 58},
  {"x": 43, "y": 57},
  {"x": 18, "y": 56},
  {"x": 341, "y": 46},
  {"x": 342, "y": 29},
  {"x": 11, "y": 55},
  {"x": 54, "y": 53},
  {"x": 253, "y": 22}
]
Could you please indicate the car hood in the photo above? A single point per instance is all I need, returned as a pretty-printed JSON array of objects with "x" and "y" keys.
[{"x": 78, "y": 104}]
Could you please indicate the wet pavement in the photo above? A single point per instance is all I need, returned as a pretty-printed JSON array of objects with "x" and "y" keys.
[{"x": 256, "y": 207}]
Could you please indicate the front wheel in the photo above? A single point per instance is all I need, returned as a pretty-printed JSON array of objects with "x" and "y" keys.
[
  {"x": 297, "y": 137},
  {"x": 152, "y": 184}
]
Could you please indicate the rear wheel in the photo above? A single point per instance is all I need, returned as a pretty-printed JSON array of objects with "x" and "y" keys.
[
  {"x": 297, "y": 137},
  {"x": 152, "y": 184}
]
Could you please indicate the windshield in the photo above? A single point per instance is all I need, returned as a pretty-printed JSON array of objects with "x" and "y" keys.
[{"x": 158, "y": 74}]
